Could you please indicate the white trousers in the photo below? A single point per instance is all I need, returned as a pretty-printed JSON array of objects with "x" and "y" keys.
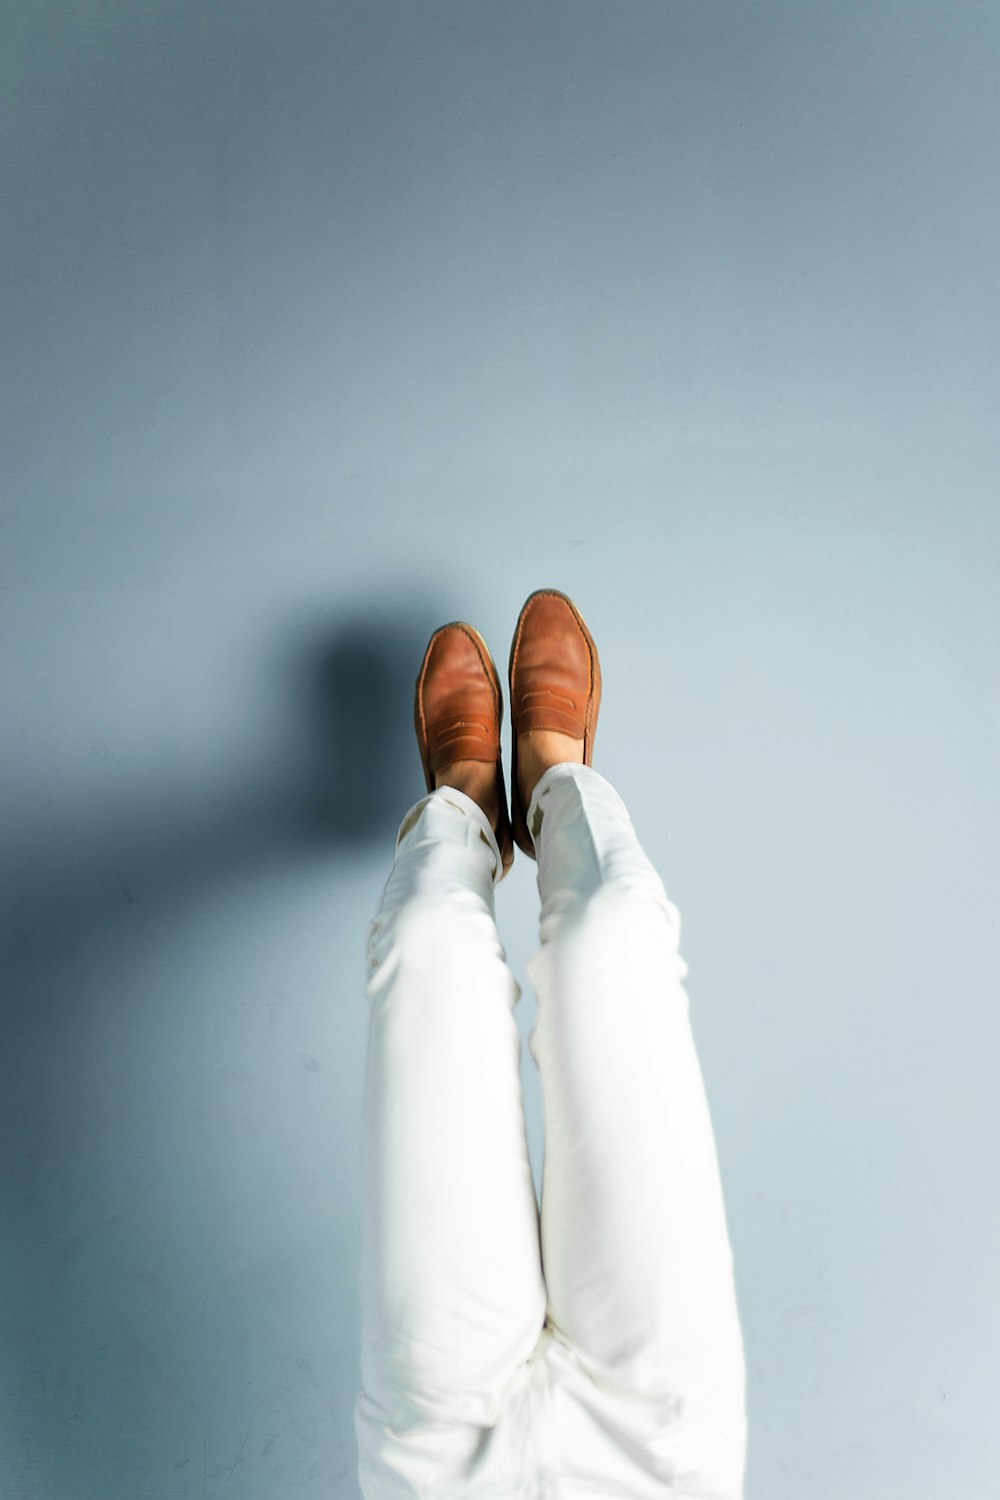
[{"x": 594, "y": 1350}]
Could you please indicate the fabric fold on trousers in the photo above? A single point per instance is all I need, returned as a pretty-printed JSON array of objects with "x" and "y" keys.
[{"x": 593, "y": 1349}]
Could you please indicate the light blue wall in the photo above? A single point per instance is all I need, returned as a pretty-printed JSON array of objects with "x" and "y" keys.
[{"x": 326, "y": 323}]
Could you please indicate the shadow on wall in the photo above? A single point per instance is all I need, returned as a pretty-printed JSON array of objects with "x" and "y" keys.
[
  {"x": 360, "y": 691},
  {"x": 342, "y": 780}
]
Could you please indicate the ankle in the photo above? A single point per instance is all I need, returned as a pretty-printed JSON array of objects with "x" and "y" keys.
[
  {"x": 537, "y": 751},
  {"x": 478, "y": 780}
]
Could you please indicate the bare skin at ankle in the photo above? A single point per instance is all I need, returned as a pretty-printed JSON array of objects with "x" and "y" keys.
[
  {"x": 478, "y": 780},
  {"x": 537, "y": 751}
]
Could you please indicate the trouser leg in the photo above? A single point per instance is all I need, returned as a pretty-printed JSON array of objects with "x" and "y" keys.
[
  {"x": 452, "y": 1293},
  {"x": 635, "y": 1246}
]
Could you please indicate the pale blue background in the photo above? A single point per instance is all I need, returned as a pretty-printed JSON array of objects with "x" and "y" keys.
[{"x": 324, "y": 323}]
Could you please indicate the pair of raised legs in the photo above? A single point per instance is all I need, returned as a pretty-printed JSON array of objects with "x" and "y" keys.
[{"x": 594, "y": 1349}]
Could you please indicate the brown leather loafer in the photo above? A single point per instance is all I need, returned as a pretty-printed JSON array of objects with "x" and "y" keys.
[
  {"x": 555, "y": 683},
  {"x": 458, "y": 710}
]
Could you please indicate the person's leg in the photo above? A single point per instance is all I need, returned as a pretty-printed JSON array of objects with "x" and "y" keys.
[
  {"x": 452, "y": 1294},
  {"x": 635, "y": 1247}
]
